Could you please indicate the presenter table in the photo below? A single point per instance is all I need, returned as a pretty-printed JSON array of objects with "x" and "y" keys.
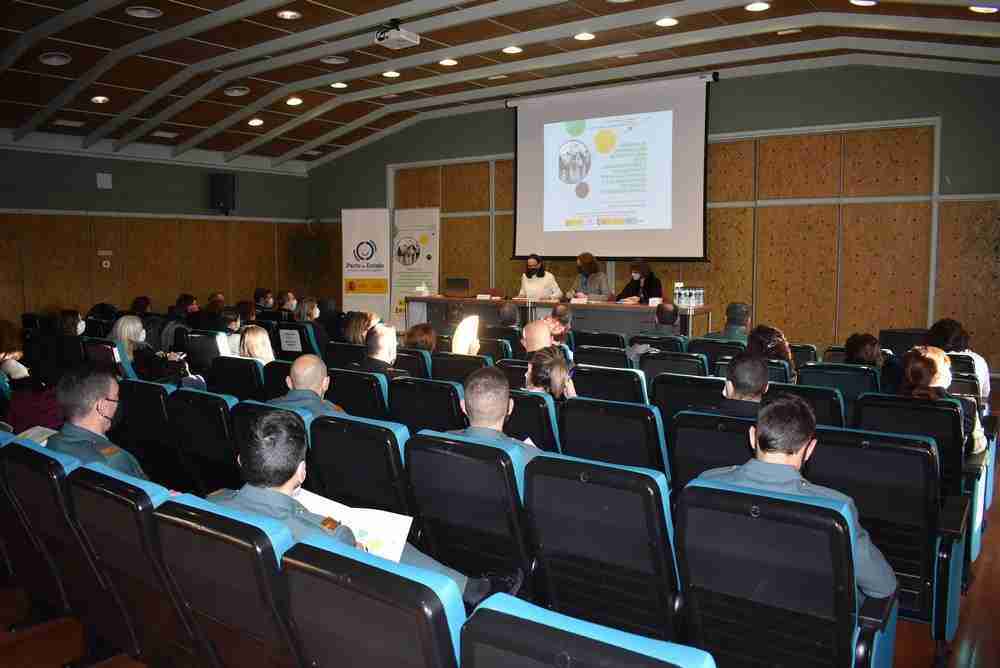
[{"x": 626, "y": 319}]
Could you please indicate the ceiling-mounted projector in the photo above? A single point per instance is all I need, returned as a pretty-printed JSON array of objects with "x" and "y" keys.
[{"x": 391, "y": 36}]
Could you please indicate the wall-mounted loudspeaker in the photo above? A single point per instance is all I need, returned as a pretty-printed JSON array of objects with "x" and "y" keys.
[{"x": 223, "y": 192}]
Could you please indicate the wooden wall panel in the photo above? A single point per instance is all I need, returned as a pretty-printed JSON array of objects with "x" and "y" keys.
[
  {"x": 799, "y": 166},
  {"x": 465, "y": 251},
  {"x": 57, "y": 253},
  {"x": 109, "y": 284},
  {"x": 728, "y": 276},
  {"x": 968, "y": 280},
  {"x": 327, "y": 280},
  {"x": 508, "y": 272},
  {"x": 418, "y": 188},
  {"x": 154, "y": 273},
  {"x": 889, "y": 162},
  {"x": 465, "y": 187},
  {"x": 204, "y": 260},
  {"x": 797, "y": 271},
  {"x": 11, "y": 269},
  {"x": 885, "y": 267},
  {"x": 251, "y": 251},
  {"x": 731, "y": 171},
  {"x": 295, "y": 252},
  {"x": 504, "y": 197}
]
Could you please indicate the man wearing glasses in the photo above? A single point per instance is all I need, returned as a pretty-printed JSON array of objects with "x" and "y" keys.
[{"x": 89, "y": 400}]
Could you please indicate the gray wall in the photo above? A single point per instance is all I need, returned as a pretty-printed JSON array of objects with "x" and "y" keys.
[
  {"x": 967, "y": 105},
  {"x": 52, "y": 181}
]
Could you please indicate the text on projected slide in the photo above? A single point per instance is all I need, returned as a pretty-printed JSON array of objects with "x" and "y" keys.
[{"x": 611, "y": 173}]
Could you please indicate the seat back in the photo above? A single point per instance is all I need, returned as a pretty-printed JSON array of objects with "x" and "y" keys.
[
  {"x": 350, "y": 608},
  {"x": 603, "y": 540},
  {"x": 200, "y": 426},
  {"x": 108, "y": 356},
  {"x": 852, "y": 380},
  {"x": 740, "y": 611},
  {"x": 98, "y": 328},
  {"x": 343, "y": 355},
  {"x": 415, "y": 362},
  {"x": 233, "y": 589},
  {"x": 36, "y": 481},
  {"x": 154, "y": 323},
  {"x": 511, "y": 336},
  {"x": 940, "y": 420},
  {"x": 615, "y": 432},
  {"x": 778, "y": 371},
  {"x": 274, "y": 315},
  {"x": 506, "y": 632},
  {"x": 894, "y": 482},
  {"x": 962, "y": 363},
  {"x": 498, "y": 349},
  {"x": 426, "y": 404},
  {"x": 901, "y": 340},
  {"x": 534, "y": 416},
  {"x": 602, "y": 356},
  {"x": 449, "y": 366},
  {"x": 241, "y": 377},
  {"x": 359, "y": 462},
  {"x": 275, "y": 375},
  {"x": 966, "y": 384},
  {"x": 666, "y": 344},
  {"x": 599, "y": 382},
  {"x": 690, "y": 364},
  {"x": 804, "y": 353},
  {"x": 115, "y": 513},
  {"x": 514, "y": 369},
  {"x": 827, "y": 402},
  {"x": 203, "y": 347},
  {"x": 673, "y": 393},
  {"x": 145, "y": 431},
  {"x": 360, "y": 393},
  {"x": 467, "y": 496},
  {"x": 602, "y": 339},
  {"x": 698, "y": 442},
  {"x": 835, "y": 355},
  {"x": 296, "y": 338},
  {"x": 179, "y": 332},
  {"x": 713, "y": 349}
]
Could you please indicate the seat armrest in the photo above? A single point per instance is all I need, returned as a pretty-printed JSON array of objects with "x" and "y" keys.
[
  {"x": 975, "y": 464},
  {"x": 954, "y": 517},
  {"x": 875, "y": 612},
  {"x": 991, "y": 425}
]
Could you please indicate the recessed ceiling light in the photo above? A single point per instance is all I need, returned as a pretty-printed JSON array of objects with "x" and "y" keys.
[
  {"x": 864, "y": 3},
  {"x": 293, "y": 101},
  {"x": 619, "y": 2},
  {"x": 790, "y": 31},
  {"x": 163, "y": 134},
  {"x": 289, "y": 15},
  {"x": 143, "y": 12},
  {"x": 313, "y": 152},
  {"x": 983, "y": 9},
  {"x": 448, "y": 62},
  {"x": 391, "y": 74},
  {"x": 758, "y": 7},
  {"x": 338, "y": 84},
  {"x": 255, "y": 122},
  {"x": 67, "y": 123},
  {"x": 667, "y": 22},
  {"x": 496, "y": 76},
  {"x": 100, "y": 99},
  {"x": 390, "y": 96},
  {"x": 55, "y": 58},
  {"x": 623, "y": 56},
  {"x": 583, "y": 36},
  {"x": 237, "y": 91},
  {"x": 335, "y": 60},
  {"x": 512, "y": 50}
]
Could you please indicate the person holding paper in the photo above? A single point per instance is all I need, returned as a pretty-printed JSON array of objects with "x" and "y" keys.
[
  {"x": 643, "y": 286},
  {"x": 538, "y": 284},
  {"x": 273, "y": 466},
  {"x": 591, "y": 283},
  {"x": 308, "y": 380}
]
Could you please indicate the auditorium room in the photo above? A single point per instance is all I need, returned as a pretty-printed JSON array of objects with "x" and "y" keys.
[{"x": 499, "y": 333}]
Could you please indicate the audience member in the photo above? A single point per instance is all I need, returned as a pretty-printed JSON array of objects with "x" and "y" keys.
[
  {"x": 141, "y": 306},
  {"x": 746, "y": 384},
  {"x": 487, "y": 404},
  {"x": 465, "y": 340},
  {"x": 273, "y": 467},
  {"x": 951, "y": 337},
  {"x": 864, "y": 349},
  {"x": 256, "y": 344},
  {"x": 782, "y": 441},
  {"x": 591, "y": 283},
  {"x": 536, "y": 283},
  {"x": 508, "y": 315},
  {"x": 549, "y": 372},
  {"x": 332, "y": 319},
  {"x": 287, "y": 302},
  {"x": 560, "y": 321},
  {"x": 536, "y": 335},
  {"x": 737, "y": 323},
  {"x": 381, "y": 344},
  {"x": 643, "y": 286},
  {"x": 89, "y": 400},
  {"x": 103, "y": 311},
  {"x": 70, "y": 323},
  {"x": 308, "y": 382},
  {"x": 771, "y": 344},
  {"x": 927, "y": 375},
  {"x": 307, "y": 312},
  {"x": 666, "y": 322},
  {"x": 421, "y": 337},
  {"x": 209, "y": 318},
  {"x": 247, "y": 311},
  {"x": 232, "y": 322},
  {"x": 357, "y": 325},
  {"x": 11, "y": 353},
  {"x": 185, "y": 305},
  {"x": 263, "y": 299},
  {"x": 146, "y": 362}
]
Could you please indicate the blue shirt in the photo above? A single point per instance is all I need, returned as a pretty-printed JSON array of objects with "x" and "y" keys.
[
  {"x": 494, "y": 436},
  {"x": 308, "y": 400},
  {"x": 90, "y": 447},
  {"x": 285, "y": 509}
]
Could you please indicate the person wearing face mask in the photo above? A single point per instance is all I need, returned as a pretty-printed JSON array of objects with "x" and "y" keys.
[
  {"x": 287, "y": 303},
  {"x": 643, "y": 286},
  {"x": 148, "y": 364},
  {"x": 538, "y": 284},
  {"x": 89, "y": 400},
  {"x": 71, "y": 324},
  {"x": 307, "y": 311},
  {"x": 591, "y": 283}
]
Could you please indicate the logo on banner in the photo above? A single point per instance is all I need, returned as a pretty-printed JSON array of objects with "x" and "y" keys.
[
  {"x": 364, "y": 255},
  {"x": 365, "y": 251}
]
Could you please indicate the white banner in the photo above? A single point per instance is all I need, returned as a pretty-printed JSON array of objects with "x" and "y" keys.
[
  {"x": 366, "y": 260},
  {"x": 415, "y": 260}
]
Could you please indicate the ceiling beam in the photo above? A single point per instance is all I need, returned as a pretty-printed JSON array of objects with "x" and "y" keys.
[
  {"x": 820, "y": 19},
  {"x": 54, "y": 25},
  {"x": 264, "y": 49},
  {"x": 315, "y": 53}
]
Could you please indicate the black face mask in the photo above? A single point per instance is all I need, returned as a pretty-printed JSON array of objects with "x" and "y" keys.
[{"x": 537, "y": 271}]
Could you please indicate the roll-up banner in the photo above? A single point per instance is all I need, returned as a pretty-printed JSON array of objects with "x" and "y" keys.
[{"x": 366, "y": 260}]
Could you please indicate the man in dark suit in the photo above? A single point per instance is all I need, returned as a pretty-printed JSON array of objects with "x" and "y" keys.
[
  {"x": 381, "y": 344},
  {"x": 746, "y": 384}
]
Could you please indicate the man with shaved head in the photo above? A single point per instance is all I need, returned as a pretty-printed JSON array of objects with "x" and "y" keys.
[
  {"x": 380, "y": 342},
  {"x": 536, "y": 335},
  {"x": 308, "y": 382}
]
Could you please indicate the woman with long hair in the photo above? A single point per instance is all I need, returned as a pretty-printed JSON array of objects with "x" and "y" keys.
[
  {"x": 549, "y": 372},
  {"x": 770, "y": 343},
  {"x": 148, "y": 364},
  {"x": 643, "y": 285},
  {"x": 255, "y": 343}
]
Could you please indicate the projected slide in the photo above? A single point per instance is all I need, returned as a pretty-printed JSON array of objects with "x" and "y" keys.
[{"x": 611, "y": 173}]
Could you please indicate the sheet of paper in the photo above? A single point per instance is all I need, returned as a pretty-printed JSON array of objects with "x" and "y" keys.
[
  {"x": 37, "y": 434},
  {"x": 380, "y": 532}
]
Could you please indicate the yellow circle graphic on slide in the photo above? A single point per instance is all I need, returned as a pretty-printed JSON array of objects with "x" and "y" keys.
[{"x": 605, "y": 141}]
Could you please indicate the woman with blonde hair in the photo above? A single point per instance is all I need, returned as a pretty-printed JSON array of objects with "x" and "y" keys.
[
  {"x": 256, "y": 344},
  {"x": 549, "y": 372},
  {"x": 465, "y": 340},
  {"x": 927, "y": 375},
  {"x": 358, "y": 324},
  {"x": 147, "y": 363}
]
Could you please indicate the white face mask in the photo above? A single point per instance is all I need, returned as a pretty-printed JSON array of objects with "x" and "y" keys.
[
  {"x": 81, "y": 327},
  {"x": 635, "y": 276},
  {"x": 142, "y": 337},
  {"x": 315, "y": 313},
  {"x": 945, "y": 379}
]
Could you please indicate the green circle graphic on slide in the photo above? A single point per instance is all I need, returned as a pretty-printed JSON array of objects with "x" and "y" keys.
[{"x": 575, "y": 128}]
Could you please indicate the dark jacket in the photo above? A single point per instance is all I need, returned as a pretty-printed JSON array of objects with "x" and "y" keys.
[
  {"x": 372, "y": 365},
  {"x": 739, "y": 408},
  {"x": 152, "y": 367},
  {"x": 651, "y": 287}
]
